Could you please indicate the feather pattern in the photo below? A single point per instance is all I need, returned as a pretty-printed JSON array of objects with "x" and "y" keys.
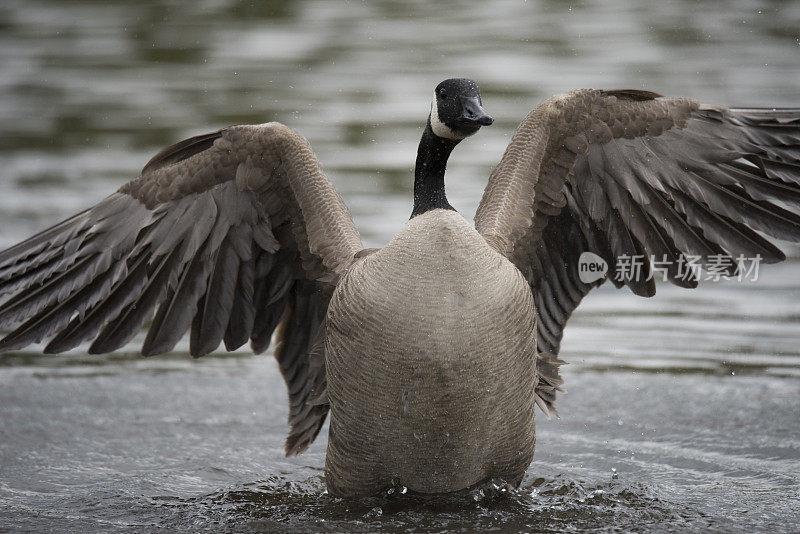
[
  {"x": 303, "y": 332},
  {"x": 221, "y": 234},
  {"x": 626, "y": 173}
]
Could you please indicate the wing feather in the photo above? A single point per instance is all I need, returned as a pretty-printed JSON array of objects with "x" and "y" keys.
[
  {"x": 221, "y": 234},
  {"x": 216, "y": 306},
  {"x": 626, "y": 173},
  {"x": 243, "y": 310}
]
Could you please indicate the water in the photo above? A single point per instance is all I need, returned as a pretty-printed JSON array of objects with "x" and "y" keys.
[{"x": 682, "y": 411}]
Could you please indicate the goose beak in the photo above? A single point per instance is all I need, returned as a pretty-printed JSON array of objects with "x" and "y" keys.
[{"x": 472, "y": 112}]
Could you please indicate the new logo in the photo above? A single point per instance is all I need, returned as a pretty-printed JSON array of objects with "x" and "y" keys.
[{"x": 591, "y": 267}]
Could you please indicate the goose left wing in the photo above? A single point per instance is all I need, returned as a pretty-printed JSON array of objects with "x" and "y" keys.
[
  {"x": 627, "y": 174},
  {"x": 229, "y": 235}
]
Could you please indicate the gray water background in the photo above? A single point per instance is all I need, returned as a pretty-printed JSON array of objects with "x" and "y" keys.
[{"x": 683, "y": 411}]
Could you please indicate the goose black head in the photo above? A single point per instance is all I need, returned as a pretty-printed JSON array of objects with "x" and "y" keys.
[{"x": 456, "y": 110}]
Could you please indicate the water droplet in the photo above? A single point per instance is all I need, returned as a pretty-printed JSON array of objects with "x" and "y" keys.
[{"x": 375, "y": 512}]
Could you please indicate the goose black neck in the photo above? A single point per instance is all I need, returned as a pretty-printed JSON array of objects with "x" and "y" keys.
[{"x": 432, "y": 157}]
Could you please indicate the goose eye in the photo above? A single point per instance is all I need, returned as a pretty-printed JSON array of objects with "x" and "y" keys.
[{"x": 443, "y": 94}]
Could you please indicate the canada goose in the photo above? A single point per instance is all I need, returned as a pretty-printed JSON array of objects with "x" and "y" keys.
[{"x": 431, "y": 352}]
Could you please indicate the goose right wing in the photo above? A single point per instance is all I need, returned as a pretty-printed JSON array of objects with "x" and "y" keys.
[
  {"x": 627, "y": 174},
  {"x": 227, "y": 234}
]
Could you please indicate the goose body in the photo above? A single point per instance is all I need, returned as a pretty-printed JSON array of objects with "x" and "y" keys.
[
  {"x": 431, "y": 352},
  {"x": 430, "y": 384}
]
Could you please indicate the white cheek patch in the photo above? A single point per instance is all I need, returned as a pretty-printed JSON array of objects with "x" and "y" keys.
[{"x": 439, "y": 128}]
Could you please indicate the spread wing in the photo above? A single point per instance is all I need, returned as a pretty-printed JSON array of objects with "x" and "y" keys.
[
  {"x": 227, "y": 234},
  {"x": 626, "y": 174}
]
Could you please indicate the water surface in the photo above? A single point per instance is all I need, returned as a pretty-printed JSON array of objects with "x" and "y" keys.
[{"x": 683, "y": 411}]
